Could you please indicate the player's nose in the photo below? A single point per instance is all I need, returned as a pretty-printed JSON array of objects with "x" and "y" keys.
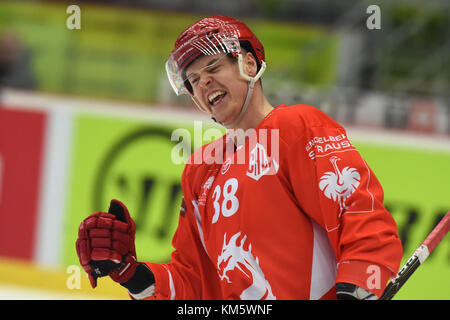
[{"x": 205, "y": 81}]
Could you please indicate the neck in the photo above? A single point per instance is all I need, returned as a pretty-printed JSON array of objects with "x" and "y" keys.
[{"x": 258, "y": 109}]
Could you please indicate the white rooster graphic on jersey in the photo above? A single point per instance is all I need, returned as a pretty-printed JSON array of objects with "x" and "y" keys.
[
  {"x": 232, "y": 257},
  {"x": 339, "y": 185}
]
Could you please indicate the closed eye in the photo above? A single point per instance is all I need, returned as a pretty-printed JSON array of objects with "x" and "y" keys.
[
  {"x": 195, "y": 79},
  {"x": 213, "y": 69}
]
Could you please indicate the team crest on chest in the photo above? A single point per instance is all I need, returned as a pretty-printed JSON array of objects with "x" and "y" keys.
[{"x": 260, "y": 163}]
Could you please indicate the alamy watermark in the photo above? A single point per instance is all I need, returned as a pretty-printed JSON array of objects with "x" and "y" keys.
[
  {"x": 257, "y": 144},
  {"x": 74, "y": 279},
  {"x": 374, "y": 279},
  {"x": 374, "y": 20},
  {"x": 73, "y": 22}
]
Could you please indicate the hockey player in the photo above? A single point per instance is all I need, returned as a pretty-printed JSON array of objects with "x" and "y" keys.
[{"x": 301, "y": 216}]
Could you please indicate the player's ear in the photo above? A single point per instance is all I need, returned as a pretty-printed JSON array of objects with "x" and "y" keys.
[{"x": 250, "y": 65}]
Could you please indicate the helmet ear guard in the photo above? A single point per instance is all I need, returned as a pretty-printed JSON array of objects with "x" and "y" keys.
[{"x": 252, "y": 80}]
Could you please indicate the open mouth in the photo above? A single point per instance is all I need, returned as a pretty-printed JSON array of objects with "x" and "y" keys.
[{"x": 216, "y": 97}]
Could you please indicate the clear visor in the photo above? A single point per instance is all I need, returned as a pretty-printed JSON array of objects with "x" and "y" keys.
[{"x": 207, "y": 45}]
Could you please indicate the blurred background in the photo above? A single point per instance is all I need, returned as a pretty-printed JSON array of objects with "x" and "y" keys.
[{"x": 86, "y": 114}]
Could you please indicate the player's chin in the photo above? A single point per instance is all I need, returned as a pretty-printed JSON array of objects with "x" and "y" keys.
[
  {"x": 225, "y": 113},
  {"x": 226, "y": 119},
  {"x": 221, "y": 115}
]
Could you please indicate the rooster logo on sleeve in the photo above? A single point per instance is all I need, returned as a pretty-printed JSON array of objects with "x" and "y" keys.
[{"x": 339, "y": 185}]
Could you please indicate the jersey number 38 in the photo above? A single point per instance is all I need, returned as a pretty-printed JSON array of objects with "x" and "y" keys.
[{"x": 225, "y": 200}]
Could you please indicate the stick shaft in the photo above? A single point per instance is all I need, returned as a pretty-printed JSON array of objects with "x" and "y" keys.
[
  {"x": 438, "y": 233},
  {"x": 419, "y": 256}
]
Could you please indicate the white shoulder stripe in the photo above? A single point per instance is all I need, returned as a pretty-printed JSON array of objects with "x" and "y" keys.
[
  {"x": 171, "y": 284},
  {"x": 324, "y": 266},
  {"x": 198, "y": 219}
]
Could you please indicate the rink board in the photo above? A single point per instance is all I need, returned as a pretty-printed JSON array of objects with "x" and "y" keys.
[{"x": 112, "y": 153}]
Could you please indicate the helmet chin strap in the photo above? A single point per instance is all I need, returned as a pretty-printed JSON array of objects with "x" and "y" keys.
[{"x": 251, "y": 85}]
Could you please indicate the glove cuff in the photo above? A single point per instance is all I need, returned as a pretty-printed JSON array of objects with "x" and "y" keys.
[{"x": 142, "y": 279}]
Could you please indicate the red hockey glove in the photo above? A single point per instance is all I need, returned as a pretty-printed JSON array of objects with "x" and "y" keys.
[{"x": 105, "y": 244}]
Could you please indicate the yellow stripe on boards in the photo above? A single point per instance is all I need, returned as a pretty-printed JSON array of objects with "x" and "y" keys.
[{"x": 72, "y": 281}]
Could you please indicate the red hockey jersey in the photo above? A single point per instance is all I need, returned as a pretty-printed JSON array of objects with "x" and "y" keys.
[{"x": 288, "y": 214}]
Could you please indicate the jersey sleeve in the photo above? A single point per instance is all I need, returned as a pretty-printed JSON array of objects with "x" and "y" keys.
[
  {"x": 190, "y": 274},
  {"x": 337, "y": 189}
]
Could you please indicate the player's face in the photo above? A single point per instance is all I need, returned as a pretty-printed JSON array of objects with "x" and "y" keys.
[{"x": 217, "y": 86}]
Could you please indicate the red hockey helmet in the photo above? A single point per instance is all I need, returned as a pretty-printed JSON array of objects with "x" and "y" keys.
[{"x": 209, "y": 36}]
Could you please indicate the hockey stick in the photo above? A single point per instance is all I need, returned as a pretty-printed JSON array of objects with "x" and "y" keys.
[{"x": 419, "y": 256}]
